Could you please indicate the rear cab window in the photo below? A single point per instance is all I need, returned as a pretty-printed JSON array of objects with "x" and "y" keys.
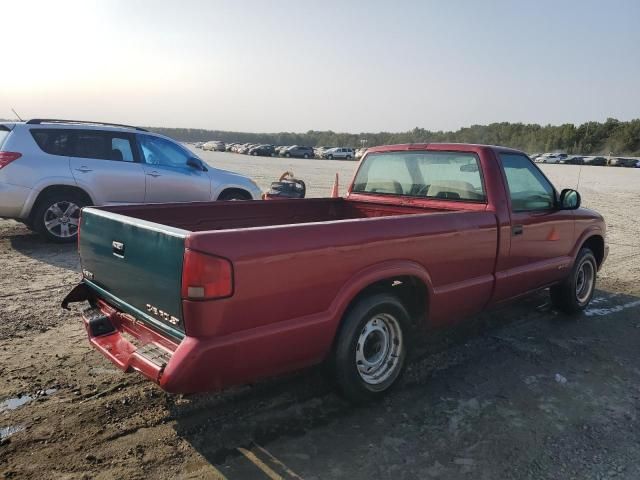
[{"x": 441, "y": 175}]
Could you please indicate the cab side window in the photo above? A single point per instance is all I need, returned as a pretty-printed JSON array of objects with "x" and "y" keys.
[
  {"x": 159, "y": 151},
  {"x": 528, "y": 188}
]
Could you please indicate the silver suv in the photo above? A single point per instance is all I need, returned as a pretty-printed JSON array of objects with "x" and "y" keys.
[{"x": 49, "y": 169}]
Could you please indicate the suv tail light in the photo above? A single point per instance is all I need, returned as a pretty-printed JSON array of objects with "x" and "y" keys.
[
  {"x": 205, "y": 277},
  {"x": 7, "y": 157}
]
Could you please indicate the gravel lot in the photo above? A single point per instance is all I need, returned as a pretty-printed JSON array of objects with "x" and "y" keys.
[{"x": 517, "y": 393}]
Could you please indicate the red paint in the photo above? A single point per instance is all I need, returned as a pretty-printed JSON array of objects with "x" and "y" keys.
[{"x": 297, "y": 265}]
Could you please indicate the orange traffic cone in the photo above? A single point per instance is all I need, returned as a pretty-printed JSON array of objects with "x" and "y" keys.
[{"x": 335, "y": 190}]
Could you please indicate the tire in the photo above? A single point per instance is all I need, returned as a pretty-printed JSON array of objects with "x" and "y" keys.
[
  {"x": 306, "y": 155},
  {"x": 576, "y": 291},
  {"x": 330, "y": 157},
  {"x": 56, "y": 216},
  {"x": 348, "y": 157},
  {"x": 231, "y": 195},
  {"x": 363, "y": 361},
  {"x": 288, "y": 155}
]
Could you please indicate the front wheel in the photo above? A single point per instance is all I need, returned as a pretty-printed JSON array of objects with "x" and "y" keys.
[
  {"x": 371, "y": 348},
  {"x": 234, "y": 195},
  {"x": 576, "y": 291},
  {"x": 288, "y": 155},
  {"x": 306, "y": 155},
  {"x": 330, "y": 157}
]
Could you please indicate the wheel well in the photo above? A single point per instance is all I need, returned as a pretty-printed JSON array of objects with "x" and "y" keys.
[
  {"x": 411, "y": 291},
  {"x": 59, "y": 189},
  {"x": 240, "y": 191},
  {"x": 596, "y": 244}
]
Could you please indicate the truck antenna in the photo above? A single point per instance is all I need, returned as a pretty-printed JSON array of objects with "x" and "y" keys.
[{"x": 16, "y": 114}]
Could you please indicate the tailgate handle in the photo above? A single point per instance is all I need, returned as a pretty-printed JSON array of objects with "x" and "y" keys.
[{"x": 118, "y": 249}]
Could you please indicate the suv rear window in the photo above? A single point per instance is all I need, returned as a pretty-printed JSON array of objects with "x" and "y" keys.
[
  {"x": 52, "y": 141},
  {"x": 85, "y": 144},
  {"x": 4, "y": 133}
]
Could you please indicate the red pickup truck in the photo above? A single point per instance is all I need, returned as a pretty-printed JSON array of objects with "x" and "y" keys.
[{"x": 201, "y": 296}]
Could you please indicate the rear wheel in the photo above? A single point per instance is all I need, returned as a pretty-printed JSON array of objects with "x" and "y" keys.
[
  {"x": 306, "y": 155},
  {"x": 234, "y": 195},
  {"x": 574, "y": 293},
  {"x": 371, "y": 348},
  {"x": 288, "y": 155},
  {"x": 57, "y": 216}
]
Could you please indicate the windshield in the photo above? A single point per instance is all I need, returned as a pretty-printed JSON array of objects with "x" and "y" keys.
[{"x": 445, "y": 175}]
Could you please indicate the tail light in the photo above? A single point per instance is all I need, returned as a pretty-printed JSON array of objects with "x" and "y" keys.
[
  {"x": 205, "y": 277},
  {"x": 7, "y": 157}
]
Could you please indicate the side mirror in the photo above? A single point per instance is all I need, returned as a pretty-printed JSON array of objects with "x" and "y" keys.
[
  {"x": 569, "y": 199},
  {"x": 196, "y": 163}
]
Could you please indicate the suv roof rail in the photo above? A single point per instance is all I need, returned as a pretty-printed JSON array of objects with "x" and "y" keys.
[{"x": 38, "y": 121}]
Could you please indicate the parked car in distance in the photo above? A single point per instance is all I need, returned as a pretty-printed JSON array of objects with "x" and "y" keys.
[
  {"x": 339, "y": 153},
  {"x": 552, "y": 158},
  {"x": 262, "y": 150},
  {"x": 573, "y": 160},
  {"x": 299, "y": 152},
  {"x": 595, "y": 161},
  {"x": 428, "y": 234},
  {"x": 50, "y": 169},
  {"x": 623, "y": 162},
  {"x": 215, "y": 146}
]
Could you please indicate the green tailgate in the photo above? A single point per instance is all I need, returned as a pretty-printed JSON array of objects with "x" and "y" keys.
[{"x": 135, "y": 265}]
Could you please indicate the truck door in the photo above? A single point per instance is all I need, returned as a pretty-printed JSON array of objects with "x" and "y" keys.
[
  {"x": 104, "y": 164},
  {"x": 168, "y": 177},
  {"x": 542, "y": 236}
]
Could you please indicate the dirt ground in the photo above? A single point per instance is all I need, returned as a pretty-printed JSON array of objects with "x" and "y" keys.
[{"x": 522, "y": 392}]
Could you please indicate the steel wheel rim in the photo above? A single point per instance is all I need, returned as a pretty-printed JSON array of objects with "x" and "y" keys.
[
  {"x": 61, "y": 219},
  {"x": 585, "y": 280},
  {"x": 379, "y": 349}
]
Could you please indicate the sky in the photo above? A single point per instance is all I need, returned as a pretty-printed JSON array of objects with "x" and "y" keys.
[{"x": 348, "y": 66}]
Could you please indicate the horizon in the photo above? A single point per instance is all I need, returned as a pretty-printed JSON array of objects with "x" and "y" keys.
[{"x": 359, "y": 68}]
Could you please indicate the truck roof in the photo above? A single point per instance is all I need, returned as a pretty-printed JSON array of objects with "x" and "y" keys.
[{"x": 461, "y": 147}]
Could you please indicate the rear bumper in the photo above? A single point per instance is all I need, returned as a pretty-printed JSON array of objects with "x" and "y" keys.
[
  {"x": 131, "y": 345},
  {"x": 14, "y": 198}
]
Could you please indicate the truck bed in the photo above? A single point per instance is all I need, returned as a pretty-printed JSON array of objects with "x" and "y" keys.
[{"x": 211, "y": 216}]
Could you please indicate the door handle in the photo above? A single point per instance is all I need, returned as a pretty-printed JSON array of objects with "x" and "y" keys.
[
  {"x": 154, "y": 174},
  {"x": 517, "y": 230},
  {"x": 83, "y": 169}
]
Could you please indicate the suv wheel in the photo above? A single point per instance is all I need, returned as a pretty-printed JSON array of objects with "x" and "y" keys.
[
  {"x": 330, "y": 157},
  {"x": 371, "y": 348},
  {"x": 348, "y": 157},
  {"x": 234, "y": 195},
  {"x": 57, "y": 216},
  {"x": 306, "y": 155},
  {"x": 288, "y": 155}
]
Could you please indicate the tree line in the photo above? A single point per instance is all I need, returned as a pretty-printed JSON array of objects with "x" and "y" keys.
[{"x": 612, "y": 136}]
